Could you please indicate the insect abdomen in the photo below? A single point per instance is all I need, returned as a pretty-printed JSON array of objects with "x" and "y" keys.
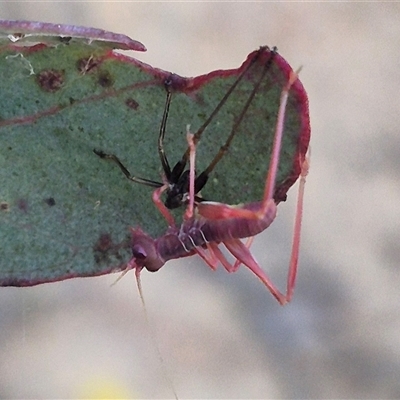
[
  {"x": 199, "y": 231},
  {"x": 238, "y": 228}
]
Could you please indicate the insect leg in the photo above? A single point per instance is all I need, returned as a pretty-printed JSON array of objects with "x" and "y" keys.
[
  {"x": 156, "y": 194},
  {"x": 136, "y": 179},
  {"x": 202, "y": 178},
  {"x": 161, "y": 206},
  {"x": 248, "y": 244},
  {"x": 291, "y": 279},
  {"x": 220, "y": 256},
  {"x": 212, "y": 256},
  {"x": 161, "y": 152},
  {"x": 229, "y": 92},
  {"x": 192, "y": 174},
  {"x": 223, "y": 211},
  {"x": 210, "y": 259},
  {"x": 216, "y": 256},
  {"x": 274, "y": 162},
  {"x": 242, "y": 254}
]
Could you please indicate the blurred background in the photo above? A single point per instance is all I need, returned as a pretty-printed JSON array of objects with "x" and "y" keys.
[{"x": 221, "y": 335}]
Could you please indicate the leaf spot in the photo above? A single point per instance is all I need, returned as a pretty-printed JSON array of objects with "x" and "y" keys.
[
  {"x": 4, "y": 206},
  {"x": 50, "y": 80},
  {"x": 131, "y": 103},
  {"x": 105, "y": 79},
  {"x": 50, "y": 201},
  {"x": 103, "y": 248}
]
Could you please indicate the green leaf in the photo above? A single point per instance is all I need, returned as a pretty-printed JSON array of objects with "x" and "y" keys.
[{"x": 65, "y": 212}]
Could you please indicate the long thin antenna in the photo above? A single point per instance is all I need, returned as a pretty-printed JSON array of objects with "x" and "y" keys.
[{"x": 153, "y": 334}]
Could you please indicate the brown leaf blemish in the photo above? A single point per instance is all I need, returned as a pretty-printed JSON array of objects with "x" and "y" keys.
[
  {"x": 87, "y": 64},
  {"x": 50, "y": 201},
  {"x": 131, "y": 103},
  {"x": 4, "y": 206},
  {"x": 105, "y": 79},
  {"x": 105, "y": 249},
  {"x": 50, "y": 80}
]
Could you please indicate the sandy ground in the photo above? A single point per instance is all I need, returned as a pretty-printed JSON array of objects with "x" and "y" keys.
[{"x": 220, "y": 335}]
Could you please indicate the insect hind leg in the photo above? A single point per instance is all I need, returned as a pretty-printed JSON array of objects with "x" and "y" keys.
[
  {"x": 243, "y": 256},
  {"x": 223, "y": 211},
  {"x": 242, "y": 253},
  {"x": 192, "y": 173},
  {"x": 203, "y": 177}
]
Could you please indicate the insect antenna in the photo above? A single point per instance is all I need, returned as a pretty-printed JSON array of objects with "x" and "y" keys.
[
  {"x": 161, "y": 151},
  {"x": 153, "y": 334},
  {"x": 202, "y": 178},
  {"x": 178, "y": 178},
  {"x": 200, "y": 131},
  {"x": 149, "y": 326}
]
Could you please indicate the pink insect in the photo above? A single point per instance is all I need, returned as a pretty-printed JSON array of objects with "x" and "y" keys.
[{"x": 207, "y": 225}]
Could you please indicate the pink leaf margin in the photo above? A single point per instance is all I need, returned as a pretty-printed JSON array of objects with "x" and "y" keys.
[{"x": 32, "y": 31}]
